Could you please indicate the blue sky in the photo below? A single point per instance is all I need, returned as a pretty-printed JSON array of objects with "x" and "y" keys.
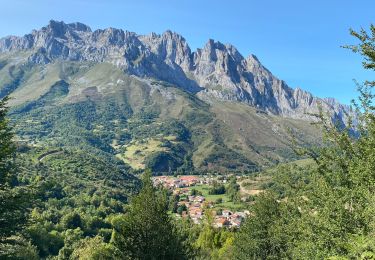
[{"x": 298, "y": 41}]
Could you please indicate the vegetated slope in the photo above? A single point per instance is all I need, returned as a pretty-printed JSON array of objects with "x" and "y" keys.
[
  {"x": 151, "y": 102},
  {"x": 77, "y": 195},
  {"x": 146, "y": 123}
]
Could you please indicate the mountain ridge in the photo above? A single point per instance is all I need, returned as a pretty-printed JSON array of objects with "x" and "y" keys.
[
  {"x": 148, "y": 101},
  {"x": 216, "y": 71}
]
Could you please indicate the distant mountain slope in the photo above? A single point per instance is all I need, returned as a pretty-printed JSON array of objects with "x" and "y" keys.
[
  {"x": 151, "y": 102},
  {"x": 217, "y": 70}
]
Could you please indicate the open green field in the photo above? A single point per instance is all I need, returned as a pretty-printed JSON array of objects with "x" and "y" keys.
[
  {"x": 226, "y": 204},
  {"x": 137, "y": 151}
]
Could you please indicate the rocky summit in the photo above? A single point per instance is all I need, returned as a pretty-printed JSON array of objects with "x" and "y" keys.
[
  {"x": 149, "y": 101},
  {"x": 215, "y": 72}
]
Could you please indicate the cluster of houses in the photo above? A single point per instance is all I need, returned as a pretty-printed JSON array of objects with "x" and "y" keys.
[
  {"x": 170, "y": 182},
  {"x": 230, "y": 219},
  {"x": 195, "y": 205}
]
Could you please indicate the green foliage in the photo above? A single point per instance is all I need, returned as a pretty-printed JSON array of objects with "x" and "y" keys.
[
  {"x": 146, "y": 230},
  {"x": 181, "y": 208},
  {"x": 16, "y": 74},
  {"x": 366, "y": 47},
  {"x": 261, "y": 237},
  {"x": 195, "y": 192},
  {"x": 71, "y": 220},
  {"x": 7, "y": 147},
  {"x": 95, "y": 249},
  {"x": 14, "y": 210},
  {"x": 173, "y": 203},
  {"x": 77, "y": 192},
  {"x": 216, "y": 189},
  {"x": 162, "y": 162},
  {"x": 14, "y": 201},
  {"x": 72, "y": 238},
  {"x": 16, "y": 247},
  {"x": 326, "y": 211},
  {"x": 213, "y": 243},
  {"x": 233, "y": 189},
  {"x": 47, "y": 242}
]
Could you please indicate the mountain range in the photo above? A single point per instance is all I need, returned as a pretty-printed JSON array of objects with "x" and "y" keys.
[{"x": 152, "y": 101}]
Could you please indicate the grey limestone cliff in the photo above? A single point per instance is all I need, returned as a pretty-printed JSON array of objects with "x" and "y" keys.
[{"x": 217, "y": 71}]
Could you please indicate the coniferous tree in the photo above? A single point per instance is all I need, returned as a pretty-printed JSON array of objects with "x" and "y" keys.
[
  {"x": 146, "y": 231},
  {"x": 7, "y": 147},
  {"x": 13, "y": 200},
  {"x": 260, "y": 237}
]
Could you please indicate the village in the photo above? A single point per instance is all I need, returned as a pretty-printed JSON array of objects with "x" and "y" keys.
[{"x": 194, "y": 202}]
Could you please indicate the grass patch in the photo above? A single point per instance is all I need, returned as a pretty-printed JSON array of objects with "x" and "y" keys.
[
  {"x": 226, "y": 204},
  {"x": 137, "y": 151}
]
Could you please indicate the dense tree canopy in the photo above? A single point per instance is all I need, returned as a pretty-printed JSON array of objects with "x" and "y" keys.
[
  {"x": 146, "y": 230},
  {"x": 14, "y": 201}
]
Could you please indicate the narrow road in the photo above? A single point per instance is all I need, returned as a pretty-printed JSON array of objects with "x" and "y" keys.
[{"x": 41, "y": 157}]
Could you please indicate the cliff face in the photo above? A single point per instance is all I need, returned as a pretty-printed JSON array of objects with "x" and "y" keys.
[{"x": 217, "y": 71}]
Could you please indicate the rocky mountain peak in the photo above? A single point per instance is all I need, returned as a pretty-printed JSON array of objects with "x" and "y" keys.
[
  {"x": 80, "y": 27},
  {"x": 216, "y": 71},
  {"x": 110, "y": 37},
  {"x": 56, "y": 29},
  {"x": 61, "y": 30}
]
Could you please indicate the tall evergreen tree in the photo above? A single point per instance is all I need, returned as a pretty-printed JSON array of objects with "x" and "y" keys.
[
  {"x": 261, "y": 237},
  {"x": 13, "y": 200},
  {"x": 146, "y": 231},
  {"x": 7, "y": 147}
]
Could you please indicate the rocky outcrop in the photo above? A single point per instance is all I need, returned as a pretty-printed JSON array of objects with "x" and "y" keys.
[{"x": 216, "y": 71}]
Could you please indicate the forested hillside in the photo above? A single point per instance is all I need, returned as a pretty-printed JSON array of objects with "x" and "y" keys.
[
  {"x": 151, "y": 102},
  {"x": 78, "y": 152},
  {"x": 147, "y": 124}
]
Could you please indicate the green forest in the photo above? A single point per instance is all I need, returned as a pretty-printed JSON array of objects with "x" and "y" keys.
[{"x": 82, "y": 205}]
